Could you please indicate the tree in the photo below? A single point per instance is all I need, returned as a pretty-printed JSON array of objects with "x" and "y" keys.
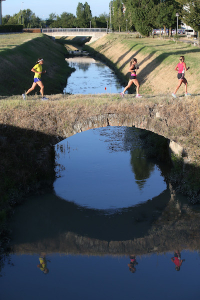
[
  {"x": 67, "y": 20},
  {"x": 191, "y": 14},
  {"x": 101, "y": 21},
  {"x": 165, "y": 13},
  {"x": 51, "y": 19},
  {"x": 143, "y": 17},
  {"x": 117, "y": 14},
  {"x": 5, "y": 19},
  {"x": 25, "y": 17},
  {"x": 84, "y": 15}
]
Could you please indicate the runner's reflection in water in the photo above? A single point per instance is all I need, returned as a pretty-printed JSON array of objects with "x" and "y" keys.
[
  {"x": 132, "y": 264},
  {"x": 43, "y": 263},
  {"x": 177, "y": 260}
]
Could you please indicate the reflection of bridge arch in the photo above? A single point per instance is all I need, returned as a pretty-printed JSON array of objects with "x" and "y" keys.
[
  {"x": 56, "y": 216},
  {"x": 53, "y": 225}
]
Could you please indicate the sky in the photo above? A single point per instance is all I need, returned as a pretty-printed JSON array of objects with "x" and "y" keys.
[{"x": 43, "y": 8}]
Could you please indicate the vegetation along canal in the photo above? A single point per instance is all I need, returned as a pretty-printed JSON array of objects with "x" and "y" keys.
[{"x": 112, "y": 221}]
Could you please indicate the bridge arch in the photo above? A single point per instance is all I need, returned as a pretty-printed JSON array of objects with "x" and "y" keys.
[{"x": 113, "y": 119}]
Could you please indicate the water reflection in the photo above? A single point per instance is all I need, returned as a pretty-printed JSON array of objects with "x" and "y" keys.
[
  {"x": 133, "y": 263},
  {"x": 43, "y": 263},
  {"x": 177, "y": 260},
  {"x": 106, "y": 169},
  {"x": 141, "y": 166},
  {"x": 91, "y": 77},
  {"x": 101, "y": 251}
]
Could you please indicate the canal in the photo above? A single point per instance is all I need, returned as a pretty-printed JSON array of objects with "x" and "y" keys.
[{"x": 112, "y": 227}]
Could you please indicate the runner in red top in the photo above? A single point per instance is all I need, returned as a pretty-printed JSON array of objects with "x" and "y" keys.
[{"x": 177, "y": 260}]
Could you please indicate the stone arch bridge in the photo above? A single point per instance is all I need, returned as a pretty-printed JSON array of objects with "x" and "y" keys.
[
  {"x": 176, "y": 120},
  {"x": 65, "y": 115}
]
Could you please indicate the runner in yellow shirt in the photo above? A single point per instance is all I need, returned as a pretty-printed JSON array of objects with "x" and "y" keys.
[
  {"x": 37, "y": 69},
  {"x": 43, "y": 264}
]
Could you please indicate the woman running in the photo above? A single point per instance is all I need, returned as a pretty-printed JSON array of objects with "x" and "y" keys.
[
  {"x": 133, "y": 78},
  {"x": 181, "y": 68},
  {"x": 37, "y": 69}
]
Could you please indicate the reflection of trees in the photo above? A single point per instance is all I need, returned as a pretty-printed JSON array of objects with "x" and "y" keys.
[
  {"x": 80, "y": 66},
  {"x": 84, "y": 66},
  {"x": 141, "y": 166}
]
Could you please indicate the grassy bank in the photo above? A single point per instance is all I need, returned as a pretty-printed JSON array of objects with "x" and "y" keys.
[
  {"x": 19, "y": 53},
  {"x": 157, "y": 59},
  {"x": 27, "y": 158}
]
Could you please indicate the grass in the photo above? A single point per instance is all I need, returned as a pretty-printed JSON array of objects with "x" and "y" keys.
[
  {"x": 19, "y": 53},
  {"x": 10, "y": 41},
  {"x": 157, "y": 57}
]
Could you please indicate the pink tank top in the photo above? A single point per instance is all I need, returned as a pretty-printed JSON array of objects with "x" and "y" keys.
[{"x": 180, "y": 68}]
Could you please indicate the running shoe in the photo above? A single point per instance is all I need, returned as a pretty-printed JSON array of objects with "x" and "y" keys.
[
  {"x": 122, "y": 94},
  {"x": 24, "y": 96},
  {"x": 44, "y": 98},
  {"x": 173, "y": 95},
  {"x": 187, "y": 94},
  {"x": 138, "y": 96}
]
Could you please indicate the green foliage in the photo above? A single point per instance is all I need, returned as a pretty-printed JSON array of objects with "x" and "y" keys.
[
  {"x": 165, "y": 14},
  {"x": 24, "y": 17},
  {"x": 118, "y": 17},
  {"x": 11, "y": 28},
  {"x": 177, "y": 163},
  {"x": 144, "y": 15},
  {"x": 191, "y": 14},
  {"x": 101, "y": 21},
  {"x": 28, "y": 53},
  {"x": 84, "y": 15}
]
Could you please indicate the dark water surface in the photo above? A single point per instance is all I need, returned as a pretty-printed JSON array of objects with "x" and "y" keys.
[
  {"x": 109, "y": 202},
  {"x": 91, "y": 77}
]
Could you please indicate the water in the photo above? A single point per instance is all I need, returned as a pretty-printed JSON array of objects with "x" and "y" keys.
[
  {"x": 86, "y": 240},
  {"x": 100, "y": 157},
  {"x": 91, "y": 277},
  {"x": 91, "y": 77}
]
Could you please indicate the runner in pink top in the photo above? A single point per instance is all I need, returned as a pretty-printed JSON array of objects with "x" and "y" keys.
[
  {"x": 181, "y": 68},
  {"x": 132, "y": 78},
  {"x": 177, "y": 260}
]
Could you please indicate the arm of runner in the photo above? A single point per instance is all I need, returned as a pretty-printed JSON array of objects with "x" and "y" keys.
[
  {"x": 176, "y": 68},
  {"x": 34, "y": 71},
  {"x": 131, "y": 68}
]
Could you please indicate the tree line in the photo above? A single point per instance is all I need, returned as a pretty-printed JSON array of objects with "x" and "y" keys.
[
  {"x": 144, "y": 15},
  {"x": 124, "y": 15},
  {"x": 83, "y": 19}
]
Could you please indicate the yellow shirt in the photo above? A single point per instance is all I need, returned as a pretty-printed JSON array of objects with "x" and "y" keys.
[
  {"x": 38, "y": 68},
  {"x": 43, "y": 264}
]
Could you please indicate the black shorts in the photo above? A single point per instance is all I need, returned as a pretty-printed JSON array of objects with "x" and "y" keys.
[
  {"x": 132, "y": 76},
  {"x": 180, "y": 76}
]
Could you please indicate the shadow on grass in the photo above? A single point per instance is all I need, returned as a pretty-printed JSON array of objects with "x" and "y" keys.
[{"x": 16, "y": 64}]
